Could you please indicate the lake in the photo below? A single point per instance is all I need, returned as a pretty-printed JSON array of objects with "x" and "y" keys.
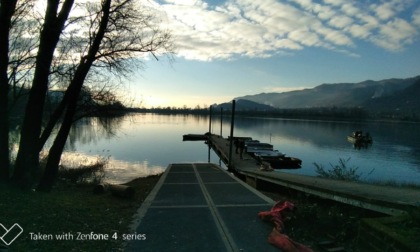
[{"x": 144, "y": 144}]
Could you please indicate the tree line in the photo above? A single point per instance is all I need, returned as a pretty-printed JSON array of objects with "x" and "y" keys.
[
  {"x": 318, "y": 113},
  {"x": 72, "y": 46}
]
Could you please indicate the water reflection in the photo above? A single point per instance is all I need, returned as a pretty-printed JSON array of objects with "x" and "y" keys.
[
  {"x": 116, "y": 171},
  {"x": 148, "y": 141},
  {"x": 93, "y": 129},
  {"x": 392, "y": 155},
  {"x": 140, "y": 144}
]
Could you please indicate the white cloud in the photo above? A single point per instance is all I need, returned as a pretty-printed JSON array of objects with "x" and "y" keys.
[
  {"x": 335, "y": 2},
  {"x": 389, "y": 9},
  {"x": 416, "y": 17},
  {"x": 340, "y": 21},
  {"x": 394, "y": 34},
  {"x": 261, "y": 28}
]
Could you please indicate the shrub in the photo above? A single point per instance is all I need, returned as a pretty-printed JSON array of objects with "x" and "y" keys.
[
  {"x": 92, "y": 173},
  {"x": 339, "y": 171}
]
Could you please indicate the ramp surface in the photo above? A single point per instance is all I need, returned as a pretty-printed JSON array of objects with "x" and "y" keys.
[{"x": 200, "y": 207}]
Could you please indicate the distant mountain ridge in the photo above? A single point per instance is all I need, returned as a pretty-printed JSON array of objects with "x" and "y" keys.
[
  {"x": 406, "y": 100},
  {"x": 243, "y": 104},
  {"x": 383, "y": 94}
]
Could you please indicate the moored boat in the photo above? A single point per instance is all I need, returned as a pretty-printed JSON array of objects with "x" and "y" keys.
[
  {"x": 282, "y": 162},
  {"x": 268, "y": 153},
  {"x": 252, "y": 147}
]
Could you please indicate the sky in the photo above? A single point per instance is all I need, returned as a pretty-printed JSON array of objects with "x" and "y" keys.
[{"x": 231, "y": 48}]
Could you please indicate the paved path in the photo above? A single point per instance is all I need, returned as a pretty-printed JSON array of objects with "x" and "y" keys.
[
  {"x": 199, "y": 207},
  {"x": 386, "y": 199}
]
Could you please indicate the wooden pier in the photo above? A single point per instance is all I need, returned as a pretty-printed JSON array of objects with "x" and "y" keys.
[{"x": 384, "y": 199}]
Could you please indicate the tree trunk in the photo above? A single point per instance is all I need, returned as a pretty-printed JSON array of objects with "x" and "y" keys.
[
  {"x": 56, "y": 150},
  {"x": 27, "y": 161},
  {"x": 54, "y": 154},
  {"x": 7, "y": 8},
  {"x": 72, "y": 94},
  {"x": 58, "y": 112}
]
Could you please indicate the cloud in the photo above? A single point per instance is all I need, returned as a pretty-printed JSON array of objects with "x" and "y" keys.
[
  {"x": 416, "y": 17},
  {"x": 262, "y": 28}
]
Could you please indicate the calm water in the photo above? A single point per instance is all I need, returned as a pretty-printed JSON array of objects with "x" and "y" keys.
[{"x": 144, "y": 144}]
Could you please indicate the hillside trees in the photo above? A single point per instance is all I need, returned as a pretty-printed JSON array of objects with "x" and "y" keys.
[{"x": 100, "y": 39}]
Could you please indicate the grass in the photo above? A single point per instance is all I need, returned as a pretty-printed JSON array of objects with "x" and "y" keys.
[{"x": 68, "y": 209}]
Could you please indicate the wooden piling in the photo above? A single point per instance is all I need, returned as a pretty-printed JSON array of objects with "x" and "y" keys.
[{"x": 232, "y": 124}]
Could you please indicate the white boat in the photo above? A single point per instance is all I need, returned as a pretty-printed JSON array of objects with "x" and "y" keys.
[{"x": 268, "y": 153}]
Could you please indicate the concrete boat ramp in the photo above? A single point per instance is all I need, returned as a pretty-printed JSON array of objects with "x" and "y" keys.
[{"x": 200, "y": 207}]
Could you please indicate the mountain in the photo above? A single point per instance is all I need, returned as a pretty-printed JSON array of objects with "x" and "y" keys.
[
  {"x": 244, "y": 105},
  {"x": 406, "y": 100},
  {"x": 363, "y": 94}
]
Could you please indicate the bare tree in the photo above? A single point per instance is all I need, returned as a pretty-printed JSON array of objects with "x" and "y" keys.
[
  {"x": 109, "y": 38},
  {"x": 7, "y": 9},
  {"x": 23, "y": 42},
  {"x": 27, "y": 160},
  {"x": 117, "y": 34}
]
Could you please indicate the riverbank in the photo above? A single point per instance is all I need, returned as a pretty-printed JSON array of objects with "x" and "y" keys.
[
  {"x": 74, "y": 209},
  {"x": 71, "y": 217}
]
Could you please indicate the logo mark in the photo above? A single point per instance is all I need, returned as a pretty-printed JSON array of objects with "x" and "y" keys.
[{"x": 9, "y": 235}]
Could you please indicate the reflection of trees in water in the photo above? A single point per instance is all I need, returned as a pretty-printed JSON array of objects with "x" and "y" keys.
[
  {"x": 176, "y": 118},
  {"x": 92, "y": 129}
]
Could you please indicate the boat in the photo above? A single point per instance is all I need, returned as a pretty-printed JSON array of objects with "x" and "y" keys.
[
  {"x": 267, "y": 157},
  {"x": 252, "y": 147},
  {"x": 277, "y": 160},
  {"x": 268, "y": 153},
  {"x": 358, "y": 137},
  {"x": 240, "y": 138},
  {"x": 281, "y": 162}
]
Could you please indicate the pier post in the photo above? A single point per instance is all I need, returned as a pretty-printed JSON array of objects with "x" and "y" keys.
[
  {"x": 211, "y": 109},
  {"x": 232, "y": 124},
  {"x": 221, "y": 121}
]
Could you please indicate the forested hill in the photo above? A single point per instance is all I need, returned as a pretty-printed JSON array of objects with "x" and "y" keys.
[{"x": 384, "y": 95}]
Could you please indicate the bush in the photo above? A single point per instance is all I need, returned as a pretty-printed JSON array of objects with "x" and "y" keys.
[
  {"x": 339, "y": 171},
  {"x": 93, "y": 173}
]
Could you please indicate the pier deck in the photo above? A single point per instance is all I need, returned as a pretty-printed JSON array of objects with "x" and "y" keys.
[
  {"x": 200, "y": 207},
  {"x": 385, "y": 199}
]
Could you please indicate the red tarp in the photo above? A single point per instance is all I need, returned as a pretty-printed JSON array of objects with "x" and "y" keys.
[{"x": 277, "y": 215}]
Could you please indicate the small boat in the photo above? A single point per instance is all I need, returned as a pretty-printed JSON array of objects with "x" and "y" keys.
[
  {"x": 268, "y": 153},
  {"x": 359, "y": 138},
  {"x": 282, "y": 162},
  {"x": 240, "y": 138},
  {"x": 252, "y": 147}
]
